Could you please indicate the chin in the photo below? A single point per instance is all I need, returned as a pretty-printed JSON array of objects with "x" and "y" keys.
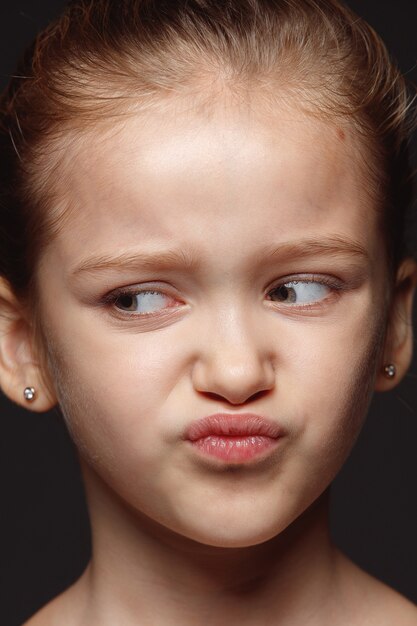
[
  {"x": 244, "y": 522},
  {"x": 226, "y": 532},
  {"x": 237, "y": 540},
  {"x": 251, "y": 530}
]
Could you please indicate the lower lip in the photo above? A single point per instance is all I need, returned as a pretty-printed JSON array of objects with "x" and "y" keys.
[{"x": 236, "y": 449}]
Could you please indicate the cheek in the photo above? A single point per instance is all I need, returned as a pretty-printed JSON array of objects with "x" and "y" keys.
[
  {"x": 114, "y": 390},
  {"x": 326, "y": 390}
]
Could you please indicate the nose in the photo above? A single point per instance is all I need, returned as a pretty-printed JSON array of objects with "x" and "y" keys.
[{"x": 235, "y": 362}]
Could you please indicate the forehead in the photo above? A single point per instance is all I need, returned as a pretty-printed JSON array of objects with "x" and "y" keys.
[{"x": 235, "y": 173}]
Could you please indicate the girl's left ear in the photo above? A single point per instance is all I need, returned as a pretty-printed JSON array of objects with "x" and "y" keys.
[
  {"x": 398, "y": 350},
  {"x": 20, "y": 367}
]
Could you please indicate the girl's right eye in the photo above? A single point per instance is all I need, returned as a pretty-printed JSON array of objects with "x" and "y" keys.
[{"x": 142, "y": 302}]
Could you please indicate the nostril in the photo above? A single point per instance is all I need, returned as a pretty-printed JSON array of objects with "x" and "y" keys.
[
  {"x": 220, "y": 398},
  {"x": 258, "y": 395},
  {"x": 214, "y": 396}
]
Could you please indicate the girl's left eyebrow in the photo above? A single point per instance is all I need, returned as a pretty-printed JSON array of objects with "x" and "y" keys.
[
  {"x": 190, "y": 260},
  {"x": 314, "y": 246}
]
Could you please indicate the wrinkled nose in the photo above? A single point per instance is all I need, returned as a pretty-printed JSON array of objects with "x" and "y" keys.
[{"x": 235, "y": 362}]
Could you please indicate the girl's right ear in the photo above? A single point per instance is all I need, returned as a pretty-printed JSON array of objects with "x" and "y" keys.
[{"x": 20, "y": 367}]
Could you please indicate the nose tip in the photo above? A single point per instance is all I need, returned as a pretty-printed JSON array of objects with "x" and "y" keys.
[{"x": 236, "y": 382}]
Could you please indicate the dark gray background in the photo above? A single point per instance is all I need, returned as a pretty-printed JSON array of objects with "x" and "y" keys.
[{"x": 45, "y": 535}]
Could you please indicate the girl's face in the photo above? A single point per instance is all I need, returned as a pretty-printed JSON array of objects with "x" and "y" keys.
[{"x": 215, "y": 263}]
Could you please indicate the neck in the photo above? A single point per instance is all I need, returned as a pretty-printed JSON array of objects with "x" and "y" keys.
[{"x": 140, "y": 568}]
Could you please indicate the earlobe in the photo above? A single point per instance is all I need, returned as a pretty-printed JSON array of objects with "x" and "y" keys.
[
  {"x": 19, "y": 368},
  {"x": 398, "y": 350}
]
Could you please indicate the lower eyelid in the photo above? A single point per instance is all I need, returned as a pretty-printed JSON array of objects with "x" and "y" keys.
[
  {"x": 146, "y": 323},
  {"x": 306, "y": 308},
  {"x": 159, "y": 317}
]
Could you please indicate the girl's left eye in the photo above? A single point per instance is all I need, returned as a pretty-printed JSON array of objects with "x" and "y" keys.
[
  {"x": 143, "y": 302},
  {"x": 299, "y": 292}
]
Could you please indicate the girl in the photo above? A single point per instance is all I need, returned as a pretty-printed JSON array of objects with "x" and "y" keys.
[{"x": 203, "y": 265}]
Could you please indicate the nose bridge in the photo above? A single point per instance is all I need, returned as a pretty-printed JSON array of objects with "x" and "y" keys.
[{"x": 235, "y": 360}]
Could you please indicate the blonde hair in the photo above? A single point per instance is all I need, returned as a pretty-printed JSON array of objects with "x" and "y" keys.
[{"x": 101, "y": 56}]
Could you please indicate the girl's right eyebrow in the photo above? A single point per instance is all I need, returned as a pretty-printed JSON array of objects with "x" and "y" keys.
[
  {"x": 159, "y": 259},
  {"x": 190, "y": 260}
]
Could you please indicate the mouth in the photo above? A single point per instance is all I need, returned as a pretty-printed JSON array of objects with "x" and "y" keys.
[{"x": 234, "y": 438}]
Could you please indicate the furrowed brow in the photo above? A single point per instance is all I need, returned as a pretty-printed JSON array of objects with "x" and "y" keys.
[{"x": 174, "y": 259}]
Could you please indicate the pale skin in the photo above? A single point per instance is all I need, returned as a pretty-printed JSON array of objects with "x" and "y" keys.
[{"x": 251, "y": 202}]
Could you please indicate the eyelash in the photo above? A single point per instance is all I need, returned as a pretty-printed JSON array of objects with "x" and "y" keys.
[
  {"x": 111, "y": 299},
  {"x": 332, "y": 283}
]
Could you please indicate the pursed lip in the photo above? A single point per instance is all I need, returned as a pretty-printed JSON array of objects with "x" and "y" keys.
[{"x": 233, "y": 425}]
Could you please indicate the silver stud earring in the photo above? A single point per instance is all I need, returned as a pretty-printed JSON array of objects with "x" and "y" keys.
[
  {"x": 390, "y": 370},
  {"x": 29, "y": 394}
]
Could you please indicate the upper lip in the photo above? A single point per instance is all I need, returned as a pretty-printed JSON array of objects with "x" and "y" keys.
[{"x": 233, "y": 425}]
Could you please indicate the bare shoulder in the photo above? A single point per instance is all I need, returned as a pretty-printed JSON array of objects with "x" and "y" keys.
[
  {"x": 48, "y": 615},
  {"x": 395, "y": 609},
  {"x": 44, "y": 617},
  {"x": 64, "y": 610},
  {"x": 55, "y": 613},
  {"x": 375, "y": 603}
]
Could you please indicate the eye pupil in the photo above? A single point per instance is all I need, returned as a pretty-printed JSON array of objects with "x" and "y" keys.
[
  {"x": 283, "y": 294},
  {"x": 126, "y": 301}
]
